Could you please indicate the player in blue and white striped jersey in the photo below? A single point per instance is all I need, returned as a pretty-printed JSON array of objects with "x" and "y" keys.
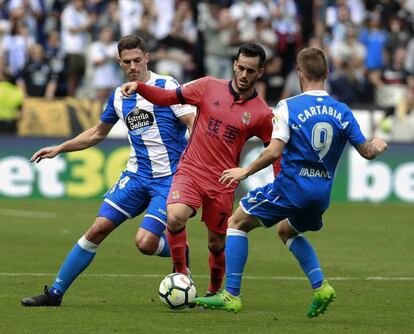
[{"x": 157, "y": 138}]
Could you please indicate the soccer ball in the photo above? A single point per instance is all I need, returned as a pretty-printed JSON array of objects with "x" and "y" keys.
[{"x": 177, "y": 291}]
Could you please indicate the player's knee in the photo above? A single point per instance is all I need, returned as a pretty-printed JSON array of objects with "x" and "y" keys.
[
  {"x": 284, "y": 231},
  {"x": 216, "y": 244},
  {"x": 216, "y": 248},
  {"x": 146, "y": 244},
  {"x": 175, "y": 220}
]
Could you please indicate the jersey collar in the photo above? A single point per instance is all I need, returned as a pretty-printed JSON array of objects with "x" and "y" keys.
[
  {"x": 316, "y": 92},
  {"x": 237, "y": 95}
]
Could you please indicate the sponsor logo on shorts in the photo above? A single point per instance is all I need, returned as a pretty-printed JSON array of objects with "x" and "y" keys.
[
  {"x": 251, "y": 200},
  {"x": 175, "y": 194},
  {"x": 246, "y": 118},
  {"x": 163, "y": 212}
]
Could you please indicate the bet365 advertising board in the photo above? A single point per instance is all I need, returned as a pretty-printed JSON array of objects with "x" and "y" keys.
[{"x": 90, "y": 173}]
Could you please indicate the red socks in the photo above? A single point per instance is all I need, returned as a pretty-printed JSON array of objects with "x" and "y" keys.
[
  {"x": 177, "y": 243},
  {"x": 217, "y": 262}
]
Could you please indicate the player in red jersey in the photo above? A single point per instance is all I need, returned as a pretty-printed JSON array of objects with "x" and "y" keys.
[{"x": 229, "y": 113}]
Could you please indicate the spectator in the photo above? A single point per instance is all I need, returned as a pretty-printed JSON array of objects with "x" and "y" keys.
[
  {"x": 15, "y": 46},
  {"x": 349, "y": 49},
  {"x": 263, "y": 34},
  {"x": 338, "y": 29},
  {"x": 75, "y": 38},
  {"x": 399, "y": 126},
  {"x": 270, "y": 85},
  {"x": 11, "y": 102},
  {"x": 374, "y": 38},
  {"x": 31, "y": 12},
  {"x": 285, "y": 21},
  {"x": 345, "y": 85},
  {"x": 399, "y": 35},
  {"x": 103, "y": 55},
  {"x": 37, "y": 79},
  {"x": 130, "y": 11},
  {"x": 109, "y": 18},
  {"x": 214, "y": 24},
  {"x": 146, "y": 31},
  {"x": 56, "y": 59},
  {"x": 174, "y": 54}
]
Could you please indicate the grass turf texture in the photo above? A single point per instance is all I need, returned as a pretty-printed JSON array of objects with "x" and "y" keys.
[{"x": 358, "y": 243}]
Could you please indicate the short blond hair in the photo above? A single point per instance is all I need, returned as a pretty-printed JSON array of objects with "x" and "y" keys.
[{"x": 313, "y": 63}]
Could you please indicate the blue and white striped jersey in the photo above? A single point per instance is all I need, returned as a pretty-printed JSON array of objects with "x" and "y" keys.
[
  {"x": 315, "y": 128},
  {"x": 156, "y": 135}
]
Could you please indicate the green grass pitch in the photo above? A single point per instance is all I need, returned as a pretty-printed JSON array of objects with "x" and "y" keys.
[{"x": 366, "y": 251}]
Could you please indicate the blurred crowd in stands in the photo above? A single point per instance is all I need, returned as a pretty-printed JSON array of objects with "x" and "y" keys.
[{"x": 57, "y": 48}]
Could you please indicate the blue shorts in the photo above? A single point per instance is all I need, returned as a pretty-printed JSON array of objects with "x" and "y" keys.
[
  {"x": 131, "y": 195},
  {"x": 270, "y": 208}
]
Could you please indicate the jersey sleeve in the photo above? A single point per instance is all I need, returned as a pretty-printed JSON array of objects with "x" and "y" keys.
[
  {"x": 193, "y": 91},
  {"x": 353, "y": 131},
  {"x": 109, "y": 114},
  {"x": 281, "y": 128},
  {"x": 179, "y": 109},
  {"x": 264, "y": 128}
]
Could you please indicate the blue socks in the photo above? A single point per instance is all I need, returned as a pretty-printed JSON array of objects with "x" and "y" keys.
[
  {"x": 237, "y": 247},
  {"x": 307, "y": 258},
  {"x": 163, "y": 249},
  {"x": 76, "y": 261}
]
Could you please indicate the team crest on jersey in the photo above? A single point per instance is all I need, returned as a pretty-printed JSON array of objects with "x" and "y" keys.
[
  {"x": 139, "y": 120},
  {"x": 246, "y": 118},
  {"x": 175, "y": 194}
]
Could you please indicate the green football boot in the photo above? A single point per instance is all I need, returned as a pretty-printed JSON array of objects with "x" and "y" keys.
[
  {"x": 322, "y": 297},
  {"x": 222, "y": 300}
]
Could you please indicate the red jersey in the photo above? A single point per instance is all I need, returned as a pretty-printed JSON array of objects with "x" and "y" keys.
[{"x": 222, "y": 126}]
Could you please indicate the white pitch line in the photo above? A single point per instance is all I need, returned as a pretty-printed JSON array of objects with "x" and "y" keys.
[
  {"x": 27, "y": 213},
  {"x": 256, "y": 278}
]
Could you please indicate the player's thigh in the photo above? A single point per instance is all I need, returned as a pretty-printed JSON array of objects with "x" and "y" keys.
[
  {"x": 265, "y": 206},
  {"x": 240, "y": 220},
  {"x": 184, "y": 198},
  {"x": 217, "y": 209},
  {"x": 155, "y": 218},
  {"x": 306, "y": 220},
  {"x": 128, "y": 195}
]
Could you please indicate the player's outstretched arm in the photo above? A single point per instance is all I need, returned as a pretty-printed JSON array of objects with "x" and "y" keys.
[
  {"x": 372, "y": 148},
  {"x": 156, "y": 95},
  {"x": 86, "y": 139},
  {"x": 266, "y": 158}
]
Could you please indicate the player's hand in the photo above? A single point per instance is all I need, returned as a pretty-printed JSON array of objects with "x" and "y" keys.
[
  {"x": 129, "y": 88},
  {"x": 379, "y": 144},
  {"x": 229, "y": 176},
  {"x": 46, "y": 152}
]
